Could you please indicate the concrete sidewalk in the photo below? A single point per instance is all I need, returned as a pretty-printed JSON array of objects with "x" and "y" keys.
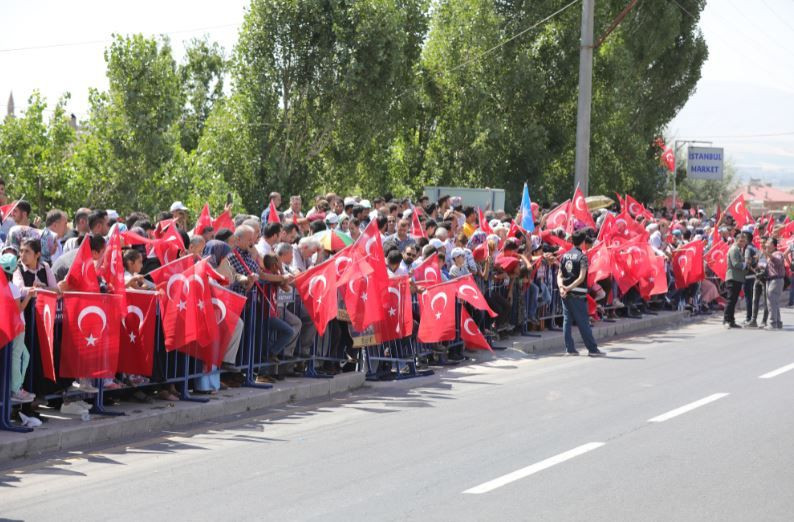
[{"x": 63, "y": 432}]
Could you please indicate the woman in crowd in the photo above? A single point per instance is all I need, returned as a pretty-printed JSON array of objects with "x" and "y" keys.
[{"x": 31, "y": 271}]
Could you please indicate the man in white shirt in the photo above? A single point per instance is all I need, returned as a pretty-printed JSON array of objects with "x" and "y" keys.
[
  {"x": 269, "y": 238},
  {"x": 302, "y": 253},
  {"x": 294, "y": 210}
]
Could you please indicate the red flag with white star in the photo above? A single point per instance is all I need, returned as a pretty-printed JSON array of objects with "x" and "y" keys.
[
  {"x": 471, "y": 334},
  {"x": 136, "y": 347},
  {"x": 90, "y": 339}
]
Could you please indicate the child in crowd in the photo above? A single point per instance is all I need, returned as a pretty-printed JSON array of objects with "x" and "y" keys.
[{"x": 20, "y": 357}]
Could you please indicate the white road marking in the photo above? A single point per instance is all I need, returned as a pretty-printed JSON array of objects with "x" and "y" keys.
[
  {"x": 534, "y": 468},
  {"x": 775, "y": 373},
  {"x": 689, "y": 407}
]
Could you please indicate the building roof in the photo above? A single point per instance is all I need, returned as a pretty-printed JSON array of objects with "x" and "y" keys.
[{"x": 764, "y": 194}]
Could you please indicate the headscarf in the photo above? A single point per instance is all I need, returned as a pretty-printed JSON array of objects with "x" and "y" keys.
[{"x": 217, "y": 250}]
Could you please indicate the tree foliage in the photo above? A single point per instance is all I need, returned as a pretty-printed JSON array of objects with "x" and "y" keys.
[{"x": 367, "y": 97}]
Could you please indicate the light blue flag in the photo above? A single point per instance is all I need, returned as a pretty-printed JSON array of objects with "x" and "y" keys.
[{"x": 527, "y": 223}]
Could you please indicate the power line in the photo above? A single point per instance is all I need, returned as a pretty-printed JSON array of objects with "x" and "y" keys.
[
  {"x": 97, "y": 42},
  {"x": 518, "y": 34}
]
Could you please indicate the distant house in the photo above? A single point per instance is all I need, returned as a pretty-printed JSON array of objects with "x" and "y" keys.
[{"x": 762, "y": 198}]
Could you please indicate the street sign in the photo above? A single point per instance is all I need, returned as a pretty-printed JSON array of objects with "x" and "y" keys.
[{"x": 704, "y": 163}]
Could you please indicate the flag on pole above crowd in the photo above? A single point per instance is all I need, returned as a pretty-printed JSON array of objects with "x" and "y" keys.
[{"x": 527, "y": 223}]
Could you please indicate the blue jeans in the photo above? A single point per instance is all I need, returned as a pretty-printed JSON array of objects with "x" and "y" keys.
[
  {"x": 749, "y": 283},
  {"x": 282, "y": 333},
  {"x": 791, "y": 293},
  {"x": 575, "y": 309},
  {"x": 532, "y": 302}
]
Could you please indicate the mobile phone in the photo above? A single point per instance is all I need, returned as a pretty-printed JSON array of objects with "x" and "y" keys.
[{"x": 228, "y": 198}]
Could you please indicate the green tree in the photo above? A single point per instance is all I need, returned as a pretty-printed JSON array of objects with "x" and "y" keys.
[
  {"x": 316, "y": 102},
  {"x": 505, "y": 109},
  {"x": 202, "y": 84},
  {"x": 34, "y": 154}
]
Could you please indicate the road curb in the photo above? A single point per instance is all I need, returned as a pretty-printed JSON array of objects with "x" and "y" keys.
[{"x": 151, "y": 419}]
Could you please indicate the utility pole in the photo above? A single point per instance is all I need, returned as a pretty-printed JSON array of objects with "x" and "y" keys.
[{"x": 582, "y": 167}]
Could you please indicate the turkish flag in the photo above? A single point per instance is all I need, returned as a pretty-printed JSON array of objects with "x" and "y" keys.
[
  {"x": 599, "y": 261},
  {"x": 668, "y": 158},
  {"x": 6, "y": 210},
  {"x": 227, "y": 308},
  {"x": 272, "y": 213},
  {"x": 717, "y": 259},
  {"x": 607, "y": 228},
  {"x": 416, "y": 226},
  {"x": 659, "y": 276},
  {"x": 317, "y": 288},
  {"x": 131, "y": 238},
  {"x": 428, "y": 271},
  {"x": 738, "y": 210},
  {"x": 637, "y": 254},
  {"x": 471, "y": 334},
  {"x": 161, "y": 275},
  {"x": 688, "y": 264},
  {"x": 578, "y": 209},
  {"x": 11, "y": 323},
  {"x": 363, "y": 306},
  {"x": 46, "y": 303},
  {"x": 82, "y": 276},
  {"x": 398, "y": 318},
  {"x": 112, "y": 268},
  {"x": 547, "y": 236},
  {"x": 364, "y": 258},
  {"x": 621, "y": 201},
  {"x": 636, "y": 208},
  {"x": 484, "y": 226},
  {"x": 162, "y": 226},
  {"x": 626, "y": 227},
  {"x": 223, "y": 221},
  {"x": 788, "y": 229},
  {"x": 204, "y": 220},
  {"x": 467, "y": 290},
  {"x": 169, "y": 245},
  {"x": 136, "y": 346},
  {"x": 90, "y": 340},
  {"x": 558, "y": 217},
  {"x": 437, "y": 320},
  {"x": 622, "y": 273},
  {"x": 187, "y": 302}
]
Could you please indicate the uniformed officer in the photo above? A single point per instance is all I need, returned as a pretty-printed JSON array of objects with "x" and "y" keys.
[{"x": 572, "y": 283}]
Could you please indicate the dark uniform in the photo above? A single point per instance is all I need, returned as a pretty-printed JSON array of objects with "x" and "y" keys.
[{"x": 574, "y": 304}]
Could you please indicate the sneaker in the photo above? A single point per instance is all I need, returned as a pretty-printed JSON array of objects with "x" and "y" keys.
[
  {"x": 571, "y": 354},
  {"x": 73, "y": 408},
  {"x": 84, "y": 385},
  {"x": 751, "y": 324},
  {"x": 84, "y": 404},
  {"x": 596, "y": 353},
  {"x": 22, "y": 397},
  {"x": 617, "y": 303},
  {"x": 112, "y": 385}
]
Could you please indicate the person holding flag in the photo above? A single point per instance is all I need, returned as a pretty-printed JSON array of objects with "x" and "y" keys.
[{"x": 572, "y": 283}]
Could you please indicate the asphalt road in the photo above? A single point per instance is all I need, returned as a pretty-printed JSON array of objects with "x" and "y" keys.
[{"x": 670, "y": 426}]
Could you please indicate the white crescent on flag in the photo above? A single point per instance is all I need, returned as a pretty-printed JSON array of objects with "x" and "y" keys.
[{"x": 88, "y": 310}]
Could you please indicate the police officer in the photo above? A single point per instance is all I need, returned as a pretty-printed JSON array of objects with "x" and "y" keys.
[
  {"x": 751, "y": 257},
  {"x": 572, "y": 283}
]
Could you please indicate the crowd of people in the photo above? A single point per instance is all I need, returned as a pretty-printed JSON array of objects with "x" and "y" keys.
[{"x": 556, "y": 265}]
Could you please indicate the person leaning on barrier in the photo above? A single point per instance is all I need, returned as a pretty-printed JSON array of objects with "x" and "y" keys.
[{"x": 572, "y": 283}]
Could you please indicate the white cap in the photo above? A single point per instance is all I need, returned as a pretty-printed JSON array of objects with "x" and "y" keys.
[
  {"x": 112, "y": 214},
  {"x": 457, "y": 252},
  {"x": 494, "y": 223},
  {"x": 350, "y": 201},
  {"x": 177, "y": 205},
  {"x": 331, "y": 218},
  {"x": 437, "y": 243},
  {"x": 365, "y": 203}
]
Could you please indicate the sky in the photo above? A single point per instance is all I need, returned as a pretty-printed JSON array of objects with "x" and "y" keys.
[{"x": 744, "y": 101}]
